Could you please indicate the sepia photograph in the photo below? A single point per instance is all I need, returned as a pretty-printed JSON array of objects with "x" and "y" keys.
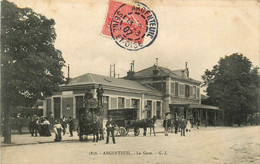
[{"x": 130, "y": 81}]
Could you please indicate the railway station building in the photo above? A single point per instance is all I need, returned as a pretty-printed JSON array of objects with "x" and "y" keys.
[{"x": 153, "y": 91}]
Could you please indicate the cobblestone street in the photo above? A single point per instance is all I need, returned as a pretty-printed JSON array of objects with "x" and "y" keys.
[{"x": 207, "y": 145}]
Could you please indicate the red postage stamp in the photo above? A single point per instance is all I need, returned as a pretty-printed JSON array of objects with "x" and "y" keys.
[{"x": 133, "y": 27}]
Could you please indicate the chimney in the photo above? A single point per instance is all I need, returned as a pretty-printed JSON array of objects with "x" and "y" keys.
[
  {"x": 68, "y": 78},
  {"x": 131, "y": 72},
  {"x": 156, "y": 70},
  {"x": 186, "y": 70}
]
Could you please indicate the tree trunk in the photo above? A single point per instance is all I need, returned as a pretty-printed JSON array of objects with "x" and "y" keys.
[{"x": 7, "y": 126}]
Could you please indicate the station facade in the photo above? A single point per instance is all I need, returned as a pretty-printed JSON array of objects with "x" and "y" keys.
[{"x": 154, "y": 91}]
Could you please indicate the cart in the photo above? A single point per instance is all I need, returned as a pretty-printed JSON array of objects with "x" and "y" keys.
[{"x": 125, "y": 120}]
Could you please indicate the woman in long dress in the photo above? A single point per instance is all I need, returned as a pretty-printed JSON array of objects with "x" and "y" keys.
[
  {"x": 188, "y": 127},
  {"x": 57, "y": 127},
  {"x": 46, "y": 125}
]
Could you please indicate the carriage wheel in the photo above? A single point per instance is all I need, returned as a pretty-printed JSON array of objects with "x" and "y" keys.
[
  {"x": 137, "y": 132},
  {"x": 127, "y": 131},
  {"x": 122, "y": 131}
]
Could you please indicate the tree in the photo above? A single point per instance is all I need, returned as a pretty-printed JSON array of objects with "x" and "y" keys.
[
  {"x": 30, "y": 64},
  {"x": 233, "y": 85}
]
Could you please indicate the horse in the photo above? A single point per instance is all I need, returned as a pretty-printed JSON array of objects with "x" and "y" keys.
[{"x": 144, "y": 123}]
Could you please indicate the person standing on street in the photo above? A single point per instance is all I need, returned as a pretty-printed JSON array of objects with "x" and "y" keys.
[
  {"x": 19, "y": 123},
  {"x": 110, "y": 125},
  {"x": 57, "y": 127},
  {"x": 34, "y": 126},
  {"x": 165, "y": 125},
  {"x": 64, "y": 124},
  {"x": 70, "y": 122},
  {"x": 183, "y": 124},
  {"x": 176, "y": 125},
  {"x": 188, "y": 127}
]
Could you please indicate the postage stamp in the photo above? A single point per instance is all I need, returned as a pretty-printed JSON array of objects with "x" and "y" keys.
[{"x": 132, "y": 27}]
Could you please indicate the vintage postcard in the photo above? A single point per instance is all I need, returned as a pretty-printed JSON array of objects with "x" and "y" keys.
[{"x": 130, "y": 81}]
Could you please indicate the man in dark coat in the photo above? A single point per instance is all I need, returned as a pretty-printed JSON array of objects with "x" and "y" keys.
[
  {"x": 34, "y": 126},
  {"x": 183, "y": 124},
  {"x": 176, "y": 125},
  {"x": 166, "y": 126},
  {"x": 110, "y": 125},
  {"x": 70, "y": 122},
  {"x": 100, "y": 92}
]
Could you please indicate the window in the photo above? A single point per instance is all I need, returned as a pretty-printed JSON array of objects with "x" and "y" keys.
[
  {"x": 158, "y": 110},
  {"x": 172, "y": 88},
  {"x": 127, "y": 103},
  {"x": 198, "y": 93},
  {"x": 191, "y": 91},
  {"x": 149, "y": 109},
  {"x": 194, "y": 91},
  {"x": 121, "y": 102},
  {"x": 176, "y": 88},
  {"x": 134, "y": 103},
  {"x": 113, "y": 103},
  {"x": 182, "y": 89},
  {"x": 187, "y": 90}
]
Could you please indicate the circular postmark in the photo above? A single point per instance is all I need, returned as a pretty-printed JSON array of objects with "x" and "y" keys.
[{"x": 134, "y": 27}]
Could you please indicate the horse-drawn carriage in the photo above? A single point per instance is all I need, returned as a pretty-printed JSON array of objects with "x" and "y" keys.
[
  {"x": 124, "y": 119},
  {"x": 91, "y": 121}
]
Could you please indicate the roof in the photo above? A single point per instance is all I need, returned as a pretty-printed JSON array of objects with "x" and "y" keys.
[
  {"x": 177, "y": 74},
  {"x": 91, "y": 78}
]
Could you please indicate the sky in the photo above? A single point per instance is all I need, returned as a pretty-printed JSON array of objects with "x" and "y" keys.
[{"x": 198, "y": 32}]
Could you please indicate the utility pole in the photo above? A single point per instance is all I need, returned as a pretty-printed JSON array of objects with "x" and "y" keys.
[{"x": 113, "y": 71}]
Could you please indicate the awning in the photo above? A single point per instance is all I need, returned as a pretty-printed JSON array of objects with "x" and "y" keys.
[
  {"x": 203, "y": 106},
  {"x": 196, "y": 106}
]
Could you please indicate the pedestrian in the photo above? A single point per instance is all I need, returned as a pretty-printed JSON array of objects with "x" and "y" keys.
[
  {"x": 45, "y": 126},
  {"x": 176, "y": 125},
  {"x": 70, "y": 122},
  {"x": 19, "y": 123},
  {"x": 34, "y": 126},
  {"x": 64, "y": 124},
  {"x": 198, "y": 123},
  {"x": 39, "y": 125},
  {"x": 183, "y": 124},
  {"x": 57, "y": 127},
  {"x": 188, "y": 126},
  {"x": 110, "y": 125},
  {"x": 171, "y": 125},
  {"x": 100, "y": 92},
  {"x": 165, "y": 125}
]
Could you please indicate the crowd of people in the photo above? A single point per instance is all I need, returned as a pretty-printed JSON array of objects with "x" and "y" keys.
[
  {"x": 179, "y": 124},
  {"x": 42, "y": 126}
]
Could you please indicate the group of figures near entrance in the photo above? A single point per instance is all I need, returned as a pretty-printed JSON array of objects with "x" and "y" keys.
[
  {"x": 42, "y": 126},
  {"x": 179, "y": 124}
]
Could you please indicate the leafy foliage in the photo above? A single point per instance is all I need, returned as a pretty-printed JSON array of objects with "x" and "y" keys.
[
  {"x": 30, "y": 64},
  {"x": 233, "y": 85}
]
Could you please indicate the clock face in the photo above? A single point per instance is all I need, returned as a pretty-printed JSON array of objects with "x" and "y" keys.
[{"x": 134, "y": 27}]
